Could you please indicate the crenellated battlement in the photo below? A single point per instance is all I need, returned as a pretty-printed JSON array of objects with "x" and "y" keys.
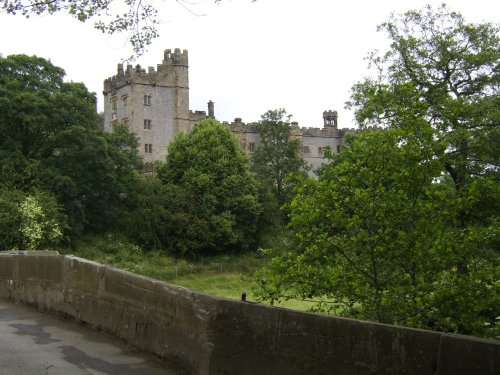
[
  {"x": 175, "y": 58},
  {"x": 320, "y": 132},
  {"x": 171, "y": 72},
  {"x": 330, "y": 113},
  {"x": 238, "y": 126}
]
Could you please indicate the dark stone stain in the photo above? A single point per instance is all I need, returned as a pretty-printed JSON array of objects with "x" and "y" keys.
[
  {"x": 36, "y": 331},
  {"x": 85, "y": 361}
]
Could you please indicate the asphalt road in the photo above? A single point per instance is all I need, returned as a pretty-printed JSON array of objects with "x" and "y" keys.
[{"x": 33, "y": 343}]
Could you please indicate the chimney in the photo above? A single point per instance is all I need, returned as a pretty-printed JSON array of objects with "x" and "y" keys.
[{"x": 211, "y": 112}]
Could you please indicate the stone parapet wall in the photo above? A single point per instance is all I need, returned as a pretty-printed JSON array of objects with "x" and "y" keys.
[{"x": 208, "y": 335}]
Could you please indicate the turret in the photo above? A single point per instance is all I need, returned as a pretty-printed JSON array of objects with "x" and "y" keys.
[{"x": 330, "y": 118}]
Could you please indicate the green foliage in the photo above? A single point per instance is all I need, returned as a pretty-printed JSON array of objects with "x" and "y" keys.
[
  {"x": 214, "y": 200},
  {"x": 277, "y": 159},
  {"x": 29, "y": 221},
  {"x": 443, "y": 72},
  {"x": 402, "y": 227},
  {"x": 91, "y": 173},
  {"x": 373, "y": 240},
  {"x": 51, "y": 140},
  {"x": 164, "y": 216},
  {"x": 36, "y": 229}
]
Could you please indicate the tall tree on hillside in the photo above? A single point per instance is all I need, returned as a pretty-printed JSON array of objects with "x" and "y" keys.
[{"x": 278, "y": 155}]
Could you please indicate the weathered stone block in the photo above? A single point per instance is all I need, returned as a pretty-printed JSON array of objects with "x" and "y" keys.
[
  {"x": 49, "y": 267},
  {"x": 125, "y": 286},
  {"x": 8, "y": 266},
  {"x": 83, "y": 275},
  {"x": 328, "y": 344},
  {"x": 27, "y": 266},
  {"x": 243, "y": 336},
  {"x": 468, "y": 355}
]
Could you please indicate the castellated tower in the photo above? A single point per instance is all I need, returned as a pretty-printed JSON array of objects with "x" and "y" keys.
[
  {"x": 153, "y": 103},
  {"x": 330, "y": 118}
]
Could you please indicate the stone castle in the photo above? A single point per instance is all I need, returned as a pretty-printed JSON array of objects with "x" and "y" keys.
[{"x": 154, "y": 103}]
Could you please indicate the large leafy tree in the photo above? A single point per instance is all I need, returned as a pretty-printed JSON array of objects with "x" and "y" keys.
[
  {"x": 403, "y": 227},
  {"x": 51, "y": 140},
  {"x": 373, "y": 241},
  {"x": 211, "y": 173},
  {"x": 278, "y": 155},
  {"x": 444, "y": 71}
]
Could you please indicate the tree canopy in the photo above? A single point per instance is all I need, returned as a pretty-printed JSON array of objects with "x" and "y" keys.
[
  {"x": 216, "y": 192},
  {"x": 278, "y": 155},
  {"x": 51, "y": 141},
  {"x": 402, "y": 226},
  {"x": 443, "y": 72}
]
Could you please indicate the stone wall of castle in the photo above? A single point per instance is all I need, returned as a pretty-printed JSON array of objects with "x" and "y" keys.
[
  {"x": 313, "y": 141},
  {"x": 154, "y": 103}
]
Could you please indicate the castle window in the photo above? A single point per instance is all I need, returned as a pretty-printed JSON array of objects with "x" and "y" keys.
[
  {"x": 125, "y": 121},
  {"x": 113, "y": 125},
  {"x": 114, "y": 101},
  {"x": 251, "y": 147},
  {"x": 147, "y": 99},
  {"x": 147, "y": 124},
  {"x": 306, "y": 149},
  {"x": 148, "y": 148},
  {"x": 338, "y": 149},
  {"x": 320, "y": 150},
  {"x": 125, "y": 100}
]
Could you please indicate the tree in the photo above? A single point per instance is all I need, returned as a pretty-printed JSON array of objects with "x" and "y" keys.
[
  {"x": 140, "y": 19},
  {"x": 403, "y": 226},
  {"x": 443, "y": 71},
  {"x": 278, "y": 155},
  {"x": 51, "y": 140},
  {"x": 373, "y": 241},
  {"x": 211, "y": 170},
  {"x": 165, "y": 216}
]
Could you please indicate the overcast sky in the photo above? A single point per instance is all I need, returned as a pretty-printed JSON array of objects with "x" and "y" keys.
[{"x": 248, "y": 57}]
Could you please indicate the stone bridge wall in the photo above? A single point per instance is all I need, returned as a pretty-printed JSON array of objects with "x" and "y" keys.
[{"x": 210, "y": 335}]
